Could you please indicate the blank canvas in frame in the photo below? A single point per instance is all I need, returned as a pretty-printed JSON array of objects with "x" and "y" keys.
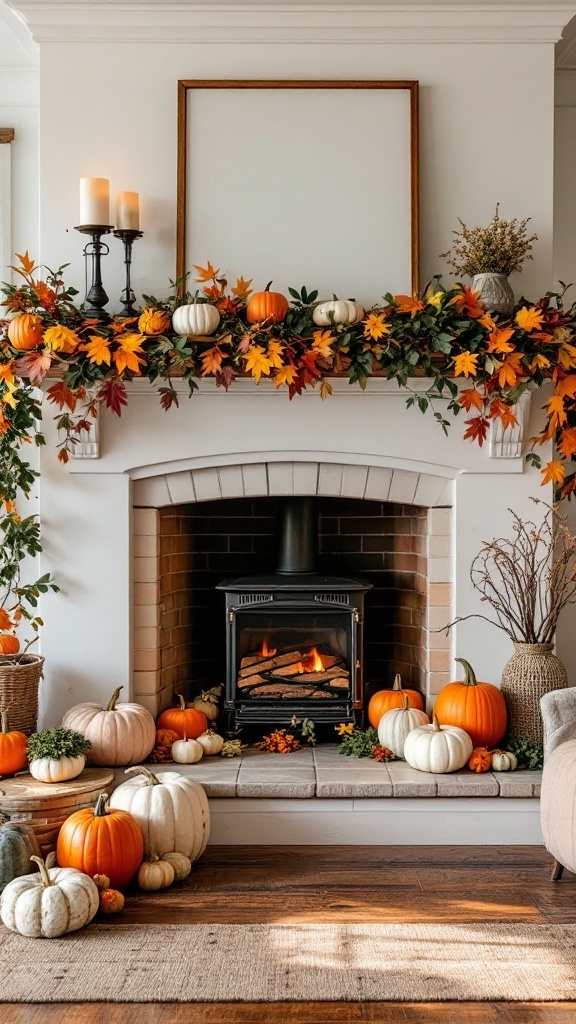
[{"x": 309, "y": 183}]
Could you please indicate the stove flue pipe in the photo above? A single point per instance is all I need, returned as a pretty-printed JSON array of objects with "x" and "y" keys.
[{"x": 298, "y": 536}]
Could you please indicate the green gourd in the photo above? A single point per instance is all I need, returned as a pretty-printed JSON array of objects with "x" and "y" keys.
[{"x": 17, "y": 844}]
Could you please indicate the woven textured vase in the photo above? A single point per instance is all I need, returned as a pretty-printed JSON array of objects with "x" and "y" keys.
[
  {"x": 495, "y": 292},
  {"x": 19, "y": 690},
  {"x": 531, "y": 672}
]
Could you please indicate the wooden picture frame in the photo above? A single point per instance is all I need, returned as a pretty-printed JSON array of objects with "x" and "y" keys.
[{"x": 226, "y": 115}]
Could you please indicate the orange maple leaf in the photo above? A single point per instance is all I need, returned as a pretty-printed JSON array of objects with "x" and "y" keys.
[
  {"x": 566, "y": 387},
  {"x": 26, "y": 264},
  {"x": 556, "y": 412},
  {"x": 529, "y": 318},
  {"x": 275, "y": 353},
  {"x": 321, "y": 343},
  {"x": 553, "y": 472},
  {"x": 465, "y": 364},
  {"x": 206, "y": 273},
  {"x": 98, "y": 350},
  {"x": 477, "y": 429},
  {"x": 567, "y": 442},
  {"x": 503, "y": 412},
  {"x": 286, "y": 375},
  {"x": 257, "y": 362},
  {"x": 539, "y": 362},
  {"x": 127, "y": 356},
  {"x": 406, "y": 304},
  {"x": 212, "y": 361},
  {"x": 242, "y": 288},
  {"x": 470, "y": 399},
  {"x": 567, "y": 357},
  {"x": 500, "y": 340},
  {"x": 487, "y": 322},
  {"x": 468, "y": 302},
  {"x": 375, "y": 326},
  {"x": 510, "y": 370}
]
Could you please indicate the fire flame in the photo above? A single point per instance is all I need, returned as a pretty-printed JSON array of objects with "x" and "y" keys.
[
  {"x": 265, "y": 651},
  {"x": 311, "y": 662}
]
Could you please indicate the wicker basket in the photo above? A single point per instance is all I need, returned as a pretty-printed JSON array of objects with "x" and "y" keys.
[
  {"x": 531, "y": 672},
  {"x": 19, "y": 683}
]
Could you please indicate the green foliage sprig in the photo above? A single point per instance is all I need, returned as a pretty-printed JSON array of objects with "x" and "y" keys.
[
  {"x": 529, "y": 754},
  {"x": 56, "y": 743},
  {"x": 359, "y": 743},
  {"x": 499, "y": 248}
]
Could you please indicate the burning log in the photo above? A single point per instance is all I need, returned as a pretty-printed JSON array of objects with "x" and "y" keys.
[{"x": 256, "y": 663}]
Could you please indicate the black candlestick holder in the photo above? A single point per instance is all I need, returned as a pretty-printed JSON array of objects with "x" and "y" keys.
[
  {"x": 96, "y": 297},
  {"x": 128, "y": 298}
]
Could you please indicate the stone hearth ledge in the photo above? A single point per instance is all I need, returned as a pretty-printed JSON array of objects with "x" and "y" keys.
[{"x": 324, "y": 773}]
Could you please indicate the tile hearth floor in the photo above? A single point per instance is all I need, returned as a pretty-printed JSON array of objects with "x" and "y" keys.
[{"x": 323, "y": 772}]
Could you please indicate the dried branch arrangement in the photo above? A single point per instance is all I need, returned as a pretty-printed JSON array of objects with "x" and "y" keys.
[{"x": 527, "y": 578}]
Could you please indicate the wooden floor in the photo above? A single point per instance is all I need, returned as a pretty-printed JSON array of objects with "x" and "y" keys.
[{"x": 346, "y": 883}]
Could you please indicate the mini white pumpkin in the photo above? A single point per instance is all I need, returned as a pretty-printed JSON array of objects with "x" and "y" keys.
[
  {"x": 196, "y": 318},
  {"x": 211, "y": 742},
  {"x": 52, "y": 903},
  {"x": 337, "y": 311},
  {"x": 396, "y": 724},
  {"x": 437, "y": 748},
  {"x": 48, "y": 769},
  {"x": 155, "y": 874},
  {"x": 504, "y": 761},
  {"x": 171, "y": 809},
  {"x": 181, "y": 864},
  {"x": 207, "y": 702},
  {"x": 186, "y": 751}
]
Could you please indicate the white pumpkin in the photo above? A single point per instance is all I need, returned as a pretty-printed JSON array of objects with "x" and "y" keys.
[
  {"x": 186, "y": 751},
  {"x": 207, "y": 702},
  {"x": 197, "y": 318},
  {"x": 211, "y": 742},
  {"x": 171, "y": 810},
  {"x": 337, "y": 311},
  {"x": 120, "y": 734},
  {"x": 49, "y": 904},
  {"x": 155, "y": 874},
  {"x": 504, "y": 761},
  {"x": 182, "y": 865},
  {"x": 48, "y": 769},
  {"x": 437, "y": 748},
  {"x": 396, "y": 724}
]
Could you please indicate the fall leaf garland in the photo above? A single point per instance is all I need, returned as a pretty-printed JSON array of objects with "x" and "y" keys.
[{"x": 445, "y": 334}]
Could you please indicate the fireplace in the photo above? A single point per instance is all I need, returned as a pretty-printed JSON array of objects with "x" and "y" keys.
[{"x": 294, "y": 638}]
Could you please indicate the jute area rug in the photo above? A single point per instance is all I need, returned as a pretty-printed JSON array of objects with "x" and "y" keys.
[{"x": 299, "y": 962}]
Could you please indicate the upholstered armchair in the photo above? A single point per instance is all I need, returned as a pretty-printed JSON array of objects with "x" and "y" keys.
[{"x": 558, "y": 795}]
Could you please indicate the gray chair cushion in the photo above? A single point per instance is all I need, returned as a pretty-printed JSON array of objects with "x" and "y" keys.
[{"x": 559, "y": 717}]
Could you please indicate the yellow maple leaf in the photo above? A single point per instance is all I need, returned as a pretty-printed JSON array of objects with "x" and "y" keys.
[
  {"x": 98, "y": 350},
  {"x": 212, "y": 361},
  {"x": 510, "y": 370},
  {"x": 127, "y": 357},
  {"x": 275, "y": 353},
  {"x": 325, "y": 389},
  {"x": 206, "y": 273},
  {"x": 567, "y": 357},
  {"x": 556, "y": 411},
  {"x": 287, "y": 375},
  {"x": 321, "y": 342},
  {"x": 9, "y": 395},
  {"x": 375, "y": 326},
  {"x": 539, "y": 363},
  {"x": 500, "y": 340},
  {"x": 465, "y": 364},
  {"x": 487, "y": 322},
  {"x": 257, "y": 362},
  {"x": 529, "y": 318},
  {"x": 553, "y": 472},
  {"x": 242, "y": 288}
]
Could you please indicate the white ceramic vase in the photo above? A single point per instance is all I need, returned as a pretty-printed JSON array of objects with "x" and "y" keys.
[{"x": 495, "y": 292}]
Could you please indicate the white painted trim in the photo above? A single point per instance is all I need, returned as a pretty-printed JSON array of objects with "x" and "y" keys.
[
  {"x": 248, "y": 386},
  {"x": 16, "y": 24},
  {"x": 6, "y": 207},
  {"x": 442, "y": 821},
  {"x": 349, "y": 22}
]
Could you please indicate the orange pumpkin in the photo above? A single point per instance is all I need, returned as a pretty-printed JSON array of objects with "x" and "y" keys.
[
  {"x": 9, "y": 644},
  {"x": 386, "y": 700},
  {"x": 480, "y": 760},
  {"x": 267, "y": 306},
  {"x": 478, "y": 708},
  {"x": 25, "y": 331},
  {"x": 186, "y": 722},
  {"x": 12, "y": 749},
  {"x": 101, "y": 841}
]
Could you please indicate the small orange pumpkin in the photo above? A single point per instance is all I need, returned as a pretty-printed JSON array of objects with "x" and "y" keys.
[
  {"x": 182, "y": 720},
  {"x": 9, "y": 644},
  {"x": 111, "y": 900},
  {"x": 12, "y": 748},
  {"x": 101, "y": 841},
  {"x": 25, "y": 331},
  {"x": 478, "y": 708},
  {"x": 267, "y": 306},
  {"x": 480, "y": 760},
  {"x": 386, "y": 700}
]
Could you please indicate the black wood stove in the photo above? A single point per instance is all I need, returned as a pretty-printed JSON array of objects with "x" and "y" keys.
[{"x": 294, "y": 638}]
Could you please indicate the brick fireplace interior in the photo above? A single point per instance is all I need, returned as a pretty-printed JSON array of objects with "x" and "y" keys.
[{"x": 182, "y": 552}]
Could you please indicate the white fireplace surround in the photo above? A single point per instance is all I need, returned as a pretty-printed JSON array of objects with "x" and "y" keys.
[{"x": 254, "y": 442}]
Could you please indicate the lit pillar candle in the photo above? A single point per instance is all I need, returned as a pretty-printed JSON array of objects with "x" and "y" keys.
[
  {"x": 94, "y": 201},
  {"x": 127, "y": 211}
]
